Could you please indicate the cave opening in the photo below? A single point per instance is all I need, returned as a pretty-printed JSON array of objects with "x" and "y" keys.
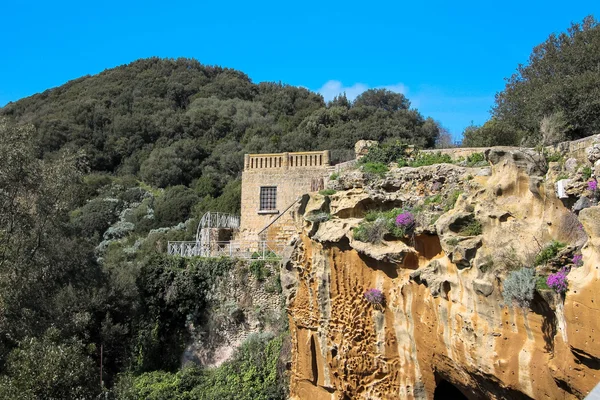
[{"x": 447, "y": 391}]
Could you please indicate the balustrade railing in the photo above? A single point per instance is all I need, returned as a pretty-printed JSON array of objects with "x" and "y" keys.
[
  {"x": 286, "y": 160},
  {"x": 260, "y": 250}
]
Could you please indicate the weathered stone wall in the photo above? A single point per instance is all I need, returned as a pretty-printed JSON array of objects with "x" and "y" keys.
[
  {"x": 575, "y": 149},
  {"x": 292, "y": 178}
]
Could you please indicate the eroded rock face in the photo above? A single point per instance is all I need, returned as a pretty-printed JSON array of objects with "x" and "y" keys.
[{"x": 443, "y": 318}]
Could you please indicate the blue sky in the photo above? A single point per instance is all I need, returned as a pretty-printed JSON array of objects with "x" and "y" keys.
[{"x": 449, "y": 58}]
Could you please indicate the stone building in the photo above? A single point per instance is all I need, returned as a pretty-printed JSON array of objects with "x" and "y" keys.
[{"x": 271, "y": 184}]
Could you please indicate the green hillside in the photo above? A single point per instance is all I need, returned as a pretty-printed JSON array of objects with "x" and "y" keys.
[{"x": 98, "y": 174}]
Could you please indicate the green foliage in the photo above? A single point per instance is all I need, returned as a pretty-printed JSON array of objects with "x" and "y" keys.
[
  {"x": 433, "y": 199},
  {"x": 327, "y": 192},
  {"x": 385, "y": 153},
  {"x": 176, "y": 164},
  {"x": 493, "y": 133},
  {"x": 320, "y": 216},
  {"x": 375, "y": 168},
  {"x": 174, "y": 206},
  {"x": 172, "y": 292},
  {"x": 476, "y": 159},
  {"x": 423, "y": 159},
  {"x": 96, "y": 216},
  {"x": 548, "y": 252},
  {"x": 377, "y": 224},
  {"x": 453, "y": 241},
  {"x": 472, "y": 228},
  {"x": 49, "y": 368},
  {"x": 586, "y": 172},
  {"x": 383, "y": 99},
  {"x": 519, "y": 287},
  {"x": 451, "y": 200},
  {"x": 334, "y": 176},
  {"x": 561, "y": 76},
  {"x": 169, "y": 120},
  {"x": 556, "y": 156},
  {"x": 259, "y": 270},
  {"x": 252, "y": 374},
  {"x": 229, "y": 201},
  {"x": 371, "y": 232},
  {"x": 540, "y": 283}
]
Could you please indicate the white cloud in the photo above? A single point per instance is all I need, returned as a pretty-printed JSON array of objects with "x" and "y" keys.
[{"x": 333, "y": 88}]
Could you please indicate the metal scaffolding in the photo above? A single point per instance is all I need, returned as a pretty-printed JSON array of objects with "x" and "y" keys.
[{"x": 207, "y": 246}]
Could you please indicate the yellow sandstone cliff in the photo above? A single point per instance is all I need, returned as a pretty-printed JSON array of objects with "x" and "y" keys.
[{"x": 443, "y": 323}]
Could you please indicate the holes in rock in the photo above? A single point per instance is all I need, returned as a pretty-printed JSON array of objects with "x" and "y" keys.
[
  {"x": 505, "y": 217},
  {"x": 447, "y": 391},
  {"x": 334, "y": 352},
  {"x": 313, "y": 356},
  {"x": 445, "y": 289}
]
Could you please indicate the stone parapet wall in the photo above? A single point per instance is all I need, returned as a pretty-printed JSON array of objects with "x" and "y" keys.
[
  {"x": 575, "y": 149},
  {"x": 304, "y": 159}
]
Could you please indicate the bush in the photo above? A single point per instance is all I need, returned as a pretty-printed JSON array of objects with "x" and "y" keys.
[
  {"x": 174, "y": 206},
  {"x": 558, "y": 281},
  {"x": 554, "y": 157},
  {"x": 476, "y": 159},
  {"x": 451, "y": 201},
  {"x": 519, "y": 287},
  {"x": 375, "y": 168},
  {"x": 379, "y": 223},
  {"x": 334, "y": 176},
  {"x": 371, "y": 232},
  {"x": 374, "y": 296},
  {"x": 473, "y": 228},
  {"x": 540, "y": 283},
  {"x": 586, "y": 172},
  {"x": 433, "y": 199},
  {"x": 385, "y": 153},
  {"x": 321, "y": 216},
  {"x": 259, "y": 270},
  {"x": 48, "y": 368},
  {"x": 251, "y": 374},
  {"x": 548, "y": 252},
  {"x": 96, "y": 216},
  {"x": 424, "y": 159}
]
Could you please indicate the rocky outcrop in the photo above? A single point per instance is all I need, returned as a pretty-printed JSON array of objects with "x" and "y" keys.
[
  {"x": 245, "y": 301},
  {"x": 443, "y": 321}
]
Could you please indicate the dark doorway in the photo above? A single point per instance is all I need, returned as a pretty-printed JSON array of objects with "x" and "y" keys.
[{"x": 447, "y": 391}]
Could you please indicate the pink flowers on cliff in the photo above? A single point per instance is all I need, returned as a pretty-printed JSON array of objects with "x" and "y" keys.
[
  {"x": 558, "y": 281},
  {"x": 374, "y": 296},
  {"x": 577, "y": 260},
  {"x": 405, "y": 220},
  {"x": 593, "y": 185}
]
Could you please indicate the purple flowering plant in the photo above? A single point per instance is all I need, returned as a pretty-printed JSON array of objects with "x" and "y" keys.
[
  {"x": 558, "y": 281},
  {"x": 405, "y": 220},
  {"x": 577, "y": 260},
  {"x": 593, "y": 185},
  {"x": 374, "y": 296}
]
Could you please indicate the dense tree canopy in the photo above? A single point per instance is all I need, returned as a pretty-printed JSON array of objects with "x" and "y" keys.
[{"x": 560, "y": 81}]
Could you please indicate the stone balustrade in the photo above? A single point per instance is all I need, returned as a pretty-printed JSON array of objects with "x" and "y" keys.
[{"x": 304, "y": 159}]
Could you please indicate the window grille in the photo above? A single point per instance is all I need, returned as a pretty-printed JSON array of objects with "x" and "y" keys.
[{"x": 268, "y": 198}]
